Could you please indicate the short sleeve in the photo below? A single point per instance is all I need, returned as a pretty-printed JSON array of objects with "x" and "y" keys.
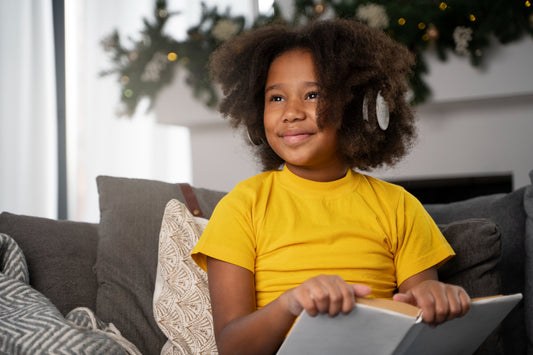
[
  {"x": 420, "y": 243},
  {"x": 229, "y": 235}
]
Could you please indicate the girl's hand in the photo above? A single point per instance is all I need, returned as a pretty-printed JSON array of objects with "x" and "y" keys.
[
  {"x": 324, "y": 294},
  {"x": 439, "y": 302}
]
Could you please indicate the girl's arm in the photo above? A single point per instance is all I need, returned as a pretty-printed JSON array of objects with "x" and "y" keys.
[
  {"x": 240, "y": 329},
  {"x": 439, "y": 301}
]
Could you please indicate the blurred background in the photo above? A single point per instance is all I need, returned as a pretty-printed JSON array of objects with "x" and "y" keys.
[{"x": 62, "y": 122}]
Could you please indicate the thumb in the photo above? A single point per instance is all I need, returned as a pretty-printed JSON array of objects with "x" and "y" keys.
[
  {"x": 405, "y": 298},
  {"x": 361, "y": 290}
]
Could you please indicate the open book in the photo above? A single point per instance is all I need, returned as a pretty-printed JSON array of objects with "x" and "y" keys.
[{"x": 378, "y": 326}]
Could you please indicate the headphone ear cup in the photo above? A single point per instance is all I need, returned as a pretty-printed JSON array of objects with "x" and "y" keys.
[{"x": 382, "y": 112}]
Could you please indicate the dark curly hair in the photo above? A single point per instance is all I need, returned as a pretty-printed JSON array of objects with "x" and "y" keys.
[{"x": 352, "y": 61}]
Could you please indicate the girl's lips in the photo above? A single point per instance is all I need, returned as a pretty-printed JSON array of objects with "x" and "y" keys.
[{"x": 295, "y": 137}]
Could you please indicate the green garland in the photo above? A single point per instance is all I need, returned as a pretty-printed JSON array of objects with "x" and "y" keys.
[{"x": 460, "y": 26}]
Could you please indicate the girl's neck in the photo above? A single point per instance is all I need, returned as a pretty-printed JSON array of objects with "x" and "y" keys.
[{"x": 319, "y": 175}]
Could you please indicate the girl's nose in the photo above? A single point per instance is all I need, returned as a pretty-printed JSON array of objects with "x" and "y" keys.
[{"x": 294, "y": 111}]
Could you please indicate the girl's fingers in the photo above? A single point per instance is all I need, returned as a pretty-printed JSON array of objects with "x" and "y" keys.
[
  {"x": 459, "y": 302},
  {"x": 321, "y": 296},
  {"x": 454, "y": 304},
  {"x": 443, "y": 302},
  {"x": 341, "y": 298},
  {"x": 465, "y": 302},
  {"x": 328, "y": 294},
  {"x": 308, "y": 302},
  {"x": 361, "y": 290}
]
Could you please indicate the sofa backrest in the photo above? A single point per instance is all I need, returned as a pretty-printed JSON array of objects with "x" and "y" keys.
[{"x": 60, "y": 257}]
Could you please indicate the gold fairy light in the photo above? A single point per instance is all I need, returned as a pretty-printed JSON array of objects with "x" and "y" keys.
[
  {"x": 319, "y": 8},
  {"x": 443, "y": 6},
  {"x": 472, "y": 17},
  {"x": 432, "y": 33},
  {"x": 172, "y": 56},
  {"x": 401, "y": 21}
]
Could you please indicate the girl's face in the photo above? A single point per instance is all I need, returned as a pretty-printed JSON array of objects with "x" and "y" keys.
[{"x": 290, "y": 119}]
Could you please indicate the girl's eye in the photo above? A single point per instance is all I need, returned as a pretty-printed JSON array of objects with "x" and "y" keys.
[
  {"x": 276, "y": 98},
  {"x": 313, "y": 95}
]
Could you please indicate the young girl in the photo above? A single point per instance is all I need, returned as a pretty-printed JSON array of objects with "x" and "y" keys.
[{"x": 310, "y": 233}]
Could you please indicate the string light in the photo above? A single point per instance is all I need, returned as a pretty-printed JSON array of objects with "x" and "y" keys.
[
  {"x": 432, "y": 33},
  {"x": 131, "y": 69},
  {"x": 319, "y": 8},
  {"x": 172, "y": 56}
]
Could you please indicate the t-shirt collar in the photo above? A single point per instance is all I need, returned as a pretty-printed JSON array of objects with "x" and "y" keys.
[{"x": 298, "y": 184}]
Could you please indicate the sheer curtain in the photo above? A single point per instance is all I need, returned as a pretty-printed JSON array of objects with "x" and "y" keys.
[{"x": 28, "y": 120}]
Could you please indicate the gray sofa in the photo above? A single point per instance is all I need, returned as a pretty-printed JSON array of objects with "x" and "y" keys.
[{"x": 110, "y": 267}]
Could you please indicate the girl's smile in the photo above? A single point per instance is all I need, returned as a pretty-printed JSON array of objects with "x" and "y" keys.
[
  {"x": 294, "y": 136},
  {"x": 291, "y": 99}
]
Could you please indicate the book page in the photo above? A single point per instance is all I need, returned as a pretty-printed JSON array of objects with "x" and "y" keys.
[{"x": 399, "y": 307}]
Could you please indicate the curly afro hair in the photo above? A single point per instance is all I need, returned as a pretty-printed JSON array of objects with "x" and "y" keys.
[{"x": 352, "y": 61}]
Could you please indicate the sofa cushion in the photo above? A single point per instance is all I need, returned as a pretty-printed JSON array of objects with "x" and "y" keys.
[
  {"x": 507, "y": 211},
  {"x": 477, "y": 246},
  {"x": 60, "y": 257},
  {"x": 131, "y": 212},
  {"x": 476, "y": 243},
  {"x": 182, "y": 306}
]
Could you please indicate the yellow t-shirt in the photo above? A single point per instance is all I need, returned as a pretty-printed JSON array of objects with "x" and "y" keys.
[{"x": 286, "y": 229}]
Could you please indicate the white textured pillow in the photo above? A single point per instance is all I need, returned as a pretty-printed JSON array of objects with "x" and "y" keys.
[{"x": 182, "y": 308}]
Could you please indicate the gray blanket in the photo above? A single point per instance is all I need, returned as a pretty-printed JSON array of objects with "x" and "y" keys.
[{"x": 31, "y": 324}]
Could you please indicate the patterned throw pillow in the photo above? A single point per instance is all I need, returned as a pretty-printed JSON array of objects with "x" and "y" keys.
[{"x": 182, "y": 307}]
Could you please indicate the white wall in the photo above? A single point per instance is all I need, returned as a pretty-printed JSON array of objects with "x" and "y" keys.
[{"x": 479, "y": 122}]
